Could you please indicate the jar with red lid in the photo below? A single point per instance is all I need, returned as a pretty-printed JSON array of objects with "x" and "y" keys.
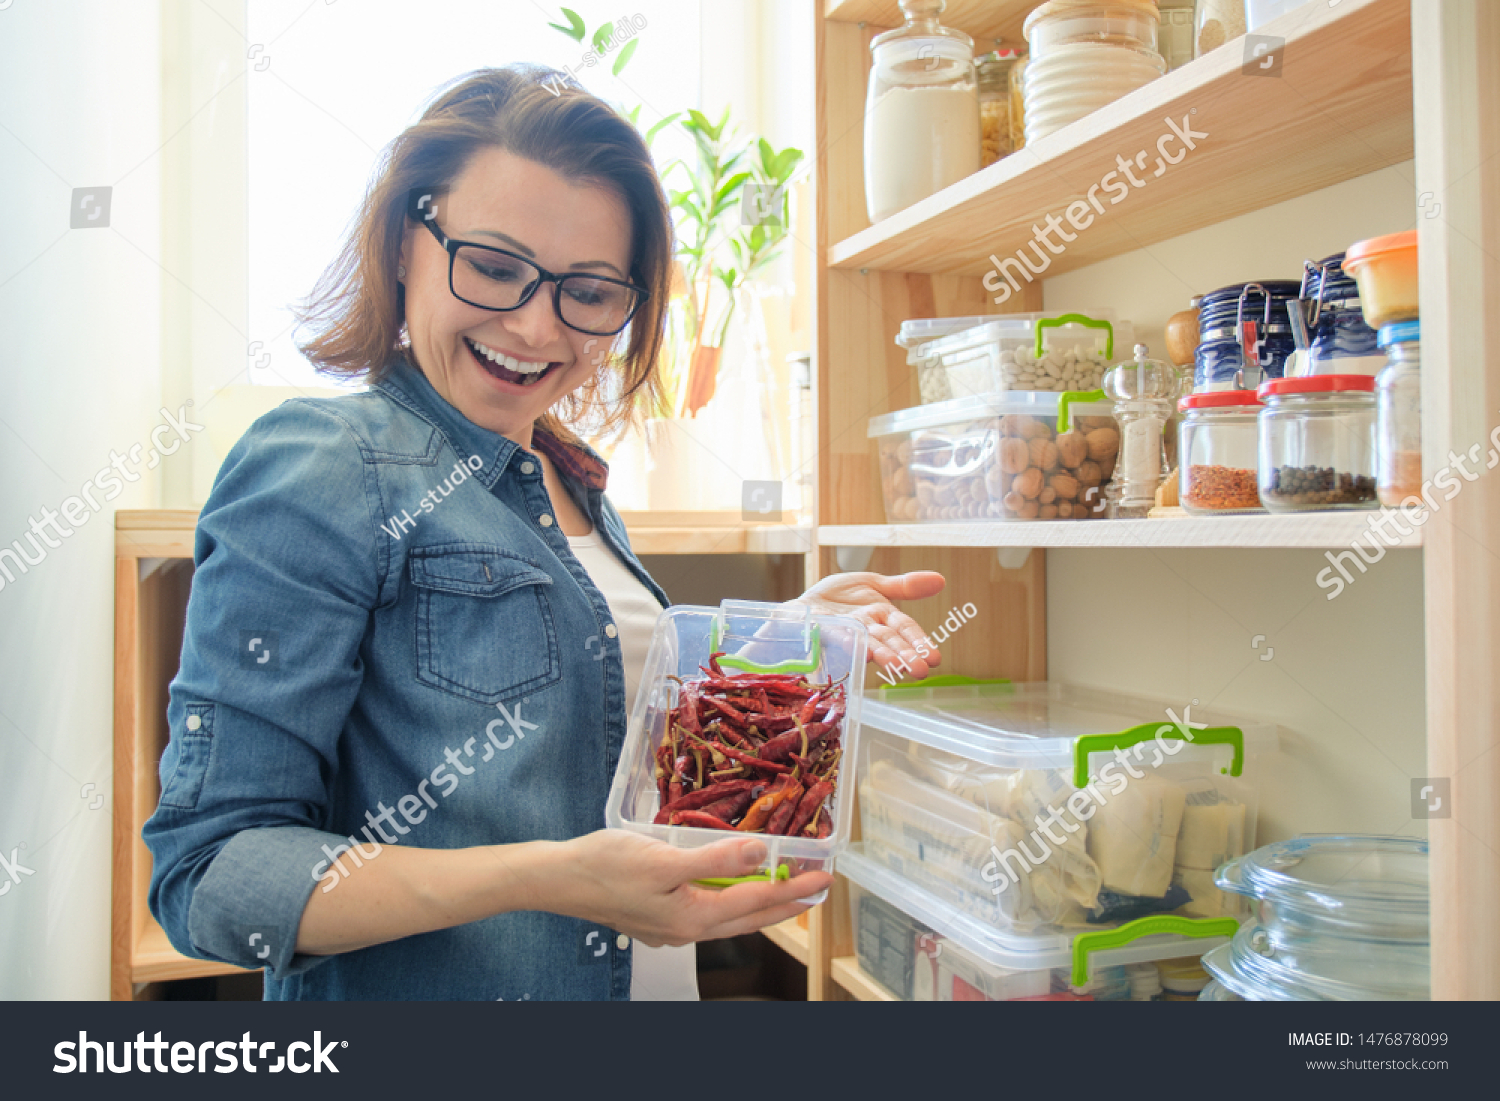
[
  {"x": 1317, "y": 443},
  {"x": 1219, "y": 447}
]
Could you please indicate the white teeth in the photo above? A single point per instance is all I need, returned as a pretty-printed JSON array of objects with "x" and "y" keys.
[{"x": 508, "y": 362}]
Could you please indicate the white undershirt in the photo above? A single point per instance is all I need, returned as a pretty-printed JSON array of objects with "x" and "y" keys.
[{"x": 657, "y": 974}]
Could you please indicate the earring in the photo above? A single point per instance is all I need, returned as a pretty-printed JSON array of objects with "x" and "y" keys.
[{"x": 400, "y": 271}]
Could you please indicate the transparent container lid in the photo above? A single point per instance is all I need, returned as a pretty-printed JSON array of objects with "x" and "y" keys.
[
  {"x": 1247, "y": 966},
  {"x": 1030, "y": 403},
  {"x": 1014, "y": 951},
  {"x": 1113, "y": 22},
  {"x": 917, "y": 48},
  {"x": 1051, "y": 725},
  {"x": 1357, "y": 884}
]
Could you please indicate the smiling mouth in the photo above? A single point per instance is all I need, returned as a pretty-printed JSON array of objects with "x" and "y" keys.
[{"x": 508, "y": 368}]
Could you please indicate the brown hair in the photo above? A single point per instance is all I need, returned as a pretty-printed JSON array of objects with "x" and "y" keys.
[{"x": 358, "y": 308}]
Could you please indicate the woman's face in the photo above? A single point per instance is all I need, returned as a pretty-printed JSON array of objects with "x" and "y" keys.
[{"x": 509, "y": 202}]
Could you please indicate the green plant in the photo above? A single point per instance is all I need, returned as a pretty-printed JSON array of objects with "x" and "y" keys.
[{"x": 731, "y": 216}]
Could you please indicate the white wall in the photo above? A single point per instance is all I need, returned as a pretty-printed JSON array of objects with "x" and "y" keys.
[
  {"x": 80, "y": 106},
  {"x": 1345, "y": 678}
]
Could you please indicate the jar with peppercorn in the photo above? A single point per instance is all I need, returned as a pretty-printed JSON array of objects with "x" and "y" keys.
[
  {"x": 1219, "y": 447},
  {"x": 1318, "y": 443}
]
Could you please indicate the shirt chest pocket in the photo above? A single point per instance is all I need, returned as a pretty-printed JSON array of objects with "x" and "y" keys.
[{"x": 484, "y": 627}]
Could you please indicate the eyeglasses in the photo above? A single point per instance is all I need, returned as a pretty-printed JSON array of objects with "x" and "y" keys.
[{"x": 494, "y": 279}]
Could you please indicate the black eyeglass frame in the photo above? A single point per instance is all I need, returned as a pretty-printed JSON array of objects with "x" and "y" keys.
[{"x": 451, "y": 247}]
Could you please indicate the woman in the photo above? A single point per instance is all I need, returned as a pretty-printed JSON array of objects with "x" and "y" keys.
[{"x": 416, "y": 622}]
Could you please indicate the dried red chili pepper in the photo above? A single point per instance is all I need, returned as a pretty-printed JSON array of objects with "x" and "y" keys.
[
  {"x": 781, "y": 817},
  {"x": 809, "y": 806},
  {"x": 698, "y": 818},
  {"x": 753, "y": 762},
  {"x": 697, "y": 800},
  {"x": 761, "y": 810}
]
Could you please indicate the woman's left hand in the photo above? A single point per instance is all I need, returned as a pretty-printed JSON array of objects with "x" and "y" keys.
[{"x": 895, "y": 637}]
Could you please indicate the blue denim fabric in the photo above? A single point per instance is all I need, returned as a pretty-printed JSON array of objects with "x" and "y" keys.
[{"x": 366, "y": 657}]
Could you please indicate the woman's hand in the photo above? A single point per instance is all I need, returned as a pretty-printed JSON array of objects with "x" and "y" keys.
[
  {"x": 895, "y": 637},
  {"x": 644, "y": 888}
]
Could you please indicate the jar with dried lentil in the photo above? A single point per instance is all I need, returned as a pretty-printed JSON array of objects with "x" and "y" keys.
[
  {"x": 1219, "y": 447},
  {"x": 1318, "y": 443}
]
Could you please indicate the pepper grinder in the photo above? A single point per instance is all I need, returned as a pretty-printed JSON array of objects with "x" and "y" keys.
[{"x": 1145, "y": 394}]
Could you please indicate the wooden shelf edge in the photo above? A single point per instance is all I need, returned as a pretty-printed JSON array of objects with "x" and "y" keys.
[
  {"x": 1336, "y": 121},
  {"x": 155, "y": 960},
  {"x": 791, "y": 938},
  {"x": 983, "y": 20},
  {"x": 846, "y": 973},
  {"x": 1320, "y": 531}
]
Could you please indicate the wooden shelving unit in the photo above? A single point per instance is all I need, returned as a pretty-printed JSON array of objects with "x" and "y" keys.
[
  {"x": 1364, "y": 84},
  {"x": 791, "y": 938}
]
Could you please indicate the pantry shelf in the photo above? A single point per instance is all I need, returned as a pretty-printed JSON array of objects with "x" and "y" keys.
[
  {"x": 791, "y": 938},
  {"x": 155, "y": 960},
  {"x": 983, "y": 20},
  {"x": 1332, "y": 530},
  {"x": 1269, "y": 137},
  {"x": 846, "y": 973}
]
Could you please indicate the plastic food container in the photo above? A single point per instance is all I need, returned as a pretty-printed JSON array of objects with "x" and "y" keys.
[
  {"x": 1338, "y": 918},
  {"x": 997, "y": 457},
  {"x": 1318, "y": 443},
  {"x": 1386, "y": 270},
  {"x": 920, "y": 949},
  {"x": 1031, "y": 351},
  {"x": 955, "y": 785},
  {"x": 764, "y": 638},
  {"x": 1219, "y": 450},
  {"x": 915, "y": 335},
  {"x": 1398, "y": 402},
  {"x": 1086, "y": 54}
]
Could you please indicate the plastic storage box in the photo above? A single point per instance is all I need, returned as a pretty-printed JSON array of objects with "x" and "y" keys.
[
  {"x": 1030, "y": 351},
  {"x": 997, "y": 457},
  {"x": 920, "y": 949},
  {"x": 1043, "y": 810},
  {"x": 755, "y": 638},
  {"x": 915, "y": 335}
]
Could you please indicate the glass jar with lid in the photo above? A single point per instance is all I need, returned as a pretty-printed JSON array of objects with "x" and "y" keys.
[
  {"x": 921, "y": 112},
  {"x": 1145, "y": 395},
  {"x": 1219, "y": 443},
  {"x": 1086, "y": 54},
  {"x": 993, "y": 71},
  {"x": 1398, "y": 400},
  {"x": 1339, "y": 341},
  {"x": 1317, "y": 443},
  {"x": 1017, "y": 81}
]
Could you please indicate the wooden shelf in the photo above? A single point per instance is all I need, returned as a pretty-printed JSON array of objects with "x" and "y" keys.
[
  {"x": 791, "y": 938},
  {"x": 168, "y": 533},
  {"x": 982, "y": 20},
  {"x": 847, "y": 974},
  {"x": 1341, "y": 107},
  {"x": 1331, "y": 530},
  {"x": 155, "y": 960}
]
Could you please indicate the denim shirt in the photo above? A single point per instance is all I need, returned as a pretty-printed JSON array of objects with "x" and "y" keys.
[{"x": 388, "y": 641}]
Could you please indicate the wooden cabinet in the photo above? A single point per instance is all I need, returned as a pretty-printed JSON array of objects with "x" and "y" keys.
[{"x": 1362, "y": 85}]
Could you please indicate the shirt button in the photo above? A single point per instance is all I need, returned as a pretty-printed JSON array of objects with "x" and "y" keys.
[
  {"x": 527, "y": 468},
  {"x": 609, "y": 629},
  {"x": 546, "y": 521},
  {"x": 194, "y": 722},
  {"x": 622, "y": 942}
]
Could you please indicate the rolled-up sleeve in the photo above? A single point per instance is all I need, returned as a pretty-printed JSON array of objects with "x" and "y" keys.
[{"x": 288, "y": 571}]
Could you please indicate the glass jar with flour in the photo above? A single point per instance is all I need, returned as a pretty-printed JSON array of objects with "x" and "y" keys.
[{"x": 922, "y": 128}]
